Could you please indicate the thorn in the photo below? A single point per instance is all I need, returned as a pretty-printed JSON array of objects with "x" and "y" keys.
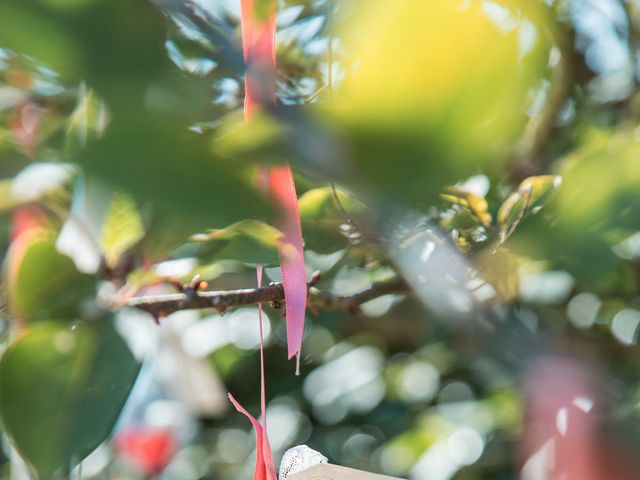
[
  {"x": 353, "y": 309},
  {"x": 195, "y": 283},
  {"x": 275, "y": 304}
]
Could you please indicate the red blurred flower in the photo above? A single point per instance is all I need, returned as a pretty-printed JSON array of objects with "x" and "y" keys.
[{"x": 149, "y": 449}]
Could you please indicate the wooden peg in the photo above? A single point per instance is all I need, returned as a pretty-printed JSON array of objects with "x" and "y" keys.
[{"x": 333, "y": 472}]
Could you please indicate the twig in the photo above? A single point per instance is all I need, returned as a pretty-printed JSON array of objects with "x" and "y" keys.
[
  {"x": 516, "y": 222},
  {"x": 329, "y": 300},
  {"x": 315, "y": 95},
  {"x": 341, "y": 207},
  {"x": 540, "y": 127},
  {"x": 163, "y": 305},
  {"x": 330, "y": 49}
]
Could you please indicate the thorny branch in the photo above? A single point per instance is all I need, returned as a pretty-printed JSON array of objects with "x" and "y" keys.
[{"x": 163, "y": 305}]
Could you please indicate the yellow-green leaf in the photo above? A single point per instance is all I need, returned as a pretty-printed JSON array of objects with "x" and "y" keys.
[
  {"x": 532, "y": 192},
  {"x": 476, "y": 204},
  {"x": 122, "y": 229},
  {"x": 88, "y": 120}
]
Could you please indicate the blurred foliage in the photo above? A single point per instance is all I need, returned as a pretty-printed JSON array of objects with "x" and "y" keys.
[
  {"x": 485, "y": 152},
  {"x": 248, "y": 241},
  {"x": 122, "y": 230},
  {"x": 329, "y": 216},
  {"x": 455, "y": 108},
  {"x": 61, "y": 389},
  {"x": 44, "y": 284}
]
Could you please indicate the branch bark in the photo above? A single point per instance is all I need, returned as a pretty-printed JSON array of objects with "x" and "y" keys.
[{"x": 163, "y": 305}]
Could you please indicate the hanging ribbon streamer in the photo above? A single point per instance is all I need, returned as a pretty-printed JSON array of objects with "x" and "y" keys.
[
  {"x": 258, "y": 36},
  {"x": 258, "y": 40},
  {"x": 283, "y": 192},
  {"x": 265, "y": 468}
]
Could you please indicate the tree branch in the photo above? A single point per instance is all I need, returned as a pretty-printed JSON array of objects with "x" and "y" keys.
[{"x": 221, "y": 300}]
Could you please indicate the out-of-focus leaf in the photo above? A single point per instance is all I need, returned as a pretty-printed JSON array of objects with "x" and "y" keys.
[
  {"x": 500, "y": 269},
  {"x": 476, "y": 204},
  {"x": 323, "y": 221},
  {"x": 602, "y": 178},
  {"x": 530, "y": 194},
  {"x": 259, "y": 140},
  {"x": 422, "y": 110},
  {"x": 174, "y": 171},
  {"x": 227, "y": 359},
  {"x": 248, "y": 241},
  {"x": 116, "y": 46},
  {"x": 61, "y": 391},
  {"x": 597, "y": 207},
  {"x": 7, "y": 199},
  {"x": 43, "y": 283},
  {"x": 27, "y": 30},
  {"x": 166, "y": 232},
  {"x": 122, "y": 229},
  {"x": 88, "y": 120}
]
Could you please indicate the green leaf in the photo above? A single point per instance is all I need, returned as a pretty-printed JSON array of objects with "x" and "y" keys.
[
  {"x": 161, "y": 164},
  {"x": 114, "y": 45},
  {"x": 43, "y": 283},
  {"x": 25, "y": 29},
  {"x": 249, "y": 241},
  {"x": 122, "y": 229},
  {"x": 602, "y": 177},
  {"x": 61, "y": 391},
  {"x": 597, "y": 207},
  {"x": 260, "y": 140},
  {"x": 322, "y": 218},
  {"x": 531, "y": 193}
]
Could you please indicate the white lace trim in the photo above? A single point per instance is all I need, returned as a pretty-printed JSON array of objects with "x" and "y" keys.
[{"x": 298, "y": 459}]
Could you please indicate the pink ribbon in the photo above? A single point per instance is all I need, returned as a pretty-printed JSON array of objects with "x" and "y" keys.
[
  {"x": 258, "y": 41},
  {"x": 258, "y": 36},
  {"x": 265, "y": 468}
]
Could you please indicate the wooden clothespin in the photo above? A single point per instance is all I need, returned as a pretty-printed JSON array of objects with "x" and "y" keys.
[{"x": 333, "y": 472}]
